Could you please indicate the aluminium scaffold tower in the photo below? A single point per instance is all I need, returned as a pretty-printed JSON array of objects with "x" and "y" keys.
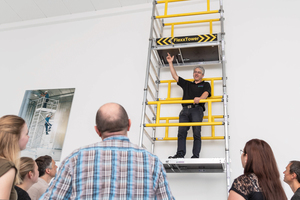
[
  {"x": 192, "y": 50},
  {"x": 37, "y": 131}
]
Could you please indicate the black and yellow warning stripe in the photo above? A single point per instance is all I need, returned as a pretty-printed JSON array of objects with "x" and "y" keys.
[{"x": 187, "y": 39}]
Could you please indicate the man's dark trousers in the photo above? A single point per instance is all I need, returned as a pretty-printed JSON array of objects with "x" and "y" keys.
[{"x": 193, "y": 114}]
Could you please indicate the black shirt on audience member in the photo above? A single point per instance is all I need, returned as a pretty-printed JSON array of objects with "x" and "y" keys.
[
  {"x": 296, "y": 195},
  {"x": 248, "y": 187},
  {"x": 22, "y": 194}
]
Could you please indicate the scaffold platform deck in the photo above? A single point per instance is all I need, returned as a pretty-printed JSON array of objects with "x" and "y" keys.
[{"x": 195, "y": 165}]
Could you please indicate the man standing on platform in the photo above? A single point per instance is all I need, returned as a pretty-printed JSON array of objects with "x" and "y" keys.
[
  {"x": 195, "y": 90},
  {"x": 292, "y": 178}
]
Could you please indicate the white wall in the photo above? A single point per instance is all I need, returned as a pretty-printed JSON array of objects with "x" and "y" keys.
[
  {"x": 263, "y": 78},
  {"x": 96, "y": 53},
  {"x": 103, "y": 56}
]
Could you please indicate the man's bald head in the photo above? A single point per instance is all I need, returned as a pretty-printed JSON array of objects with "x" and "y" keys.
[{"x": 111, "y": 117}]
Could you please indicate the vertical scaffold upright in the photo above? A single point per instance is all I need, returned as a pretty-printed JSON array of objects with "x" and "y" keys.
[{"x": 193, "y": 50}]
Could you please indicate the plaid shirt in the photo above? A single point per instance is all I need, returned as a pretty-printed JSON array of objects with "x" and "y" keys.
[{"x": 111, "y": 169}]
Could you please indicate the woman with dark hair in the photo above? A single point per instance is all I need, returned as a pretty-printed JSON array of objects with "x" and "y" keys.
[
  {"x": 13, "y": 139},
  {"x": 261, "y": 179}
]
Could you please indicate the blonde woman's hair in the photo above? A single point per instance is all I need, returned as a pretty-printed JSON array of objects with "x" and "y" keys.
[
  {"x": 26, "y": 165},
  {"x": 10, "y": 133}
]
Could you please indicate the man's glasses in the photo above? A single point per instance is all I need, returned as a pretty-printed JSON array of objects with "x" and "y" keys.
[{"x": 197, "y": 72}]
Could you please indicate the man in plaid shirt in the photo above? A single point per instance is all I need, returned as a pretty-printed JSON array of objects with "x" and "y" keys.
[{"x": 111, "y": 169}]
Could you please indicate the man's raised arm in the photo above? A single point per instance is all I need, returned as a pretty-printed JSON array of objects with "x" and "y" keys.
[{"x": 172, "y": 69}]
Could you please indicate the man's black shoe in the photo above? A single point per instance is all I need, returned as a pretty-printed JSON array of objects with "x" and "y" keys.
[
  {"x": 194, "y": 157},
  {"x": 175, "y": 156}
]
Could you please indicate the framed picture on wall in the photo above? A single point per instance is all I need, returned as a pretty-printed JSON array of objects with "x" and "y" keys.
[{"x": 46, "y": 112}]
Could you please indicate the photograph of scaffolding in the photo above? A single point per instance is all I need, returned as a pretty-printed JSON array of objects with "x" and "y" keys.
[{"x": 46, "y": 113}]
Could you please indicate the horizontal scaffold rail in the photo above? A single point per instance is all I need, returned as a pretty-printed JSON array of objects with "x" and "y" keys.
[
  {"x": 209, "y": 117},
  {"x": 212, "y": 83},
  {"x": 191, "y": 138},
  {"x": 212, "y": 137},
  {"x": 185, "y": 124},
  {"x": 210, "y": 21},
  {"x": 169, "y": 1},
  {"x": 208, "y": 11},
  {"x": 183, "y": 101},
  {"x": 187, "y": 14}
]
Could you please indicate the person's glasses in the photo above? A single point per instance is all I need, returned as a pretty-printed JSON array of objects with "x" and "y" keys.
[
  {"x": 197, "y": 72},
  {"x": 241, "y": 151}
]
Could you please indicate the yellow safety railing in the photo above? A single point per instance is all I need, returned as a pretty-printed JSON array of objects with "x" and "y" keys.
[
  {"x": 192, "y": 22},
  {"x": 166, "y": 15},
  {"x": 212, "y": 83},
  {"x": 209, "y": 117},
  {"x": 212, "y": 137}
]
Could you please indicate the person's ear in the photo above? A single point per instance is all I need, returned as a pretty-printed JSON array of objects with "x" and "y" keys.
[
  {"x": 294, "y": 175},
  {"x": 129, "y": 124},
  {"x": 30, "y": 174},
  {"x": 97, "y": 131},
  {"x": 47, "y": 171}
]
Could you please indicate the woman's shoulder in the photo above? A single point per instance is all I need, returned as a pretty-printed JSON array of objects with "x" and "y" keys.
[
  {"x": 250, "y": 179},
  {"x": 242, "y": 180},
  {"x": 246, "y": 184},
  {"x": 4, "y": 161},
  {"x": 5, "y": 166},
  {"x": 22, "y": 194}
]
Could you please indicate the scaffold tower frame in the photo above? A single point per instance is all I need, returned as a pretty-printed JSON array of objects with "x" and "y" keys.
[
  {"x": 44, "y": 106},
  {"x": 211, "y": 47}
]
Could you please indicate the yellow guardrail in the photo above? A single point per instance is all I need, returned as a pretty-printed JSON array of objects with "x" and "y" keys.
[
  {"x": 212, "y": 83},
  {"x": 191, "y": 138},
  {"x": 187, "y": 14},
  {"x": 212, "y": 137},
  {"x": 192, "y": 22},
  {"x": 166, "y": 15},
  {"x": 208, "y": 101},
  {"x": 211, "y": 119},
  {"x": 178, "y": 100},
  {"x": 167, "y": 119},
  {"x": 164, "y": 1}
]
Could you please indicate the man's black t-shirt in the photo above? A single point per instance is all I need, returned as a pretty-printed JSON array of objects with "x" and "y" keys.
[{"x": 192, "y": 90}]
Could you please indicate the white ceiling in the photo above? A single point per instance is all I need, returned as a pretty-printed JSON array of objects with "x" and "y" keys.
[{"x": 22, "y": 10}]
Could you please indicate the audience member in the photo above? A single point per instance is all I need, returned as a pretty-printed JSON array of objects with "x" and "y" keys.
[
  {"x": 292, "y": 177},
  {"x": 13, "y": 138},
  {"x": 111, "y": 169},
  {"x": 29, "y": 174},
  {"x": 47, "y": 170},
  {"x": 261, "y": 179}
]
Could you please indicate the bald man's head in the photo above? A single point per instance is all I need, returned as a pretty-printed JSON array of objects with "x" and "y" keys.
[{"x": 111, "y": 117}]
